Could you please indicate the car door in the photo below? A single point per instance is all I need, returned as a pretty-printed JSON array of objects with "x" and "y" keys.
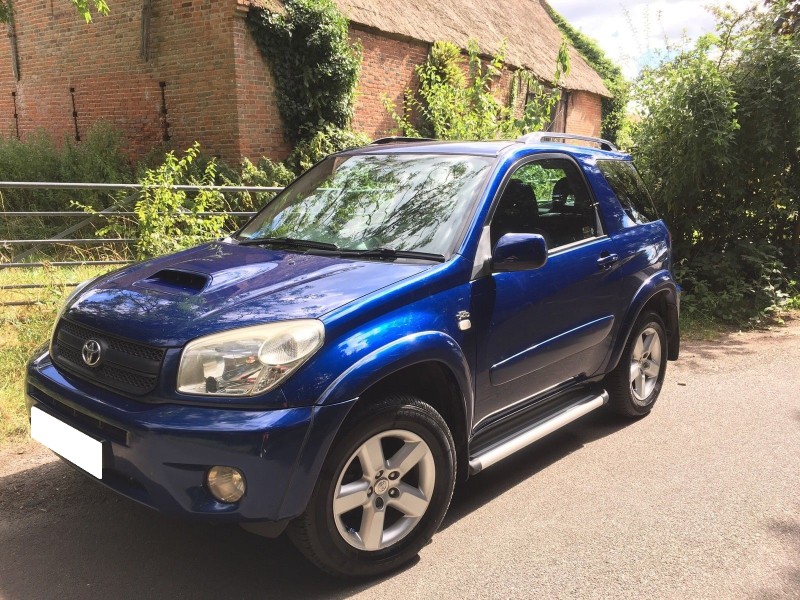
[{"x": 548, "y": 327}]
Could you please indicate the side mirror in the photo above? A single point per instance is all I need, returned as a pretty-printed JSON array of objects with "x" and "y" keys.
[{"x": 519, "y": 252}]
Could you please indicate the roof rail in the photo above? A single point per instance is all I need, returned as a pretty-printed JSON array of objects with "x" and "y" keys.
[
  {"x": 538, "y": 136},
  {"x": 399, "y": 140}
]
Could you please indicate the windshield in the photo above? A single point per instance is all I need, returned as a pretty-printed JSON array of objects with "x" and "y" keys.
[{"x": 412, "y": 202}]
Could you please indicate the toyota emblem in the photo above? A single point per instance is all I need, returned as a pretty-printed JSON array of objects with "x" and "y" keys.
[{"x": 91, "y": 353}]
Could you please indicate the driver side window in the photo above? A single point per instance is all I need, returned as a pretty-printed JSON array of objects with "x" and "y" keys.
[{"x": 547, "y": 197}]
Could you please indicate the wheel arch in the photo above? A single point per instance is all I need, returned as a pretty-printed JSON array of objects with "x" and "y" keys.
[
  {"x": 436, "y": 384},
  {"x": 660, "y": 294},
  {"x": 430, "y": 365}
]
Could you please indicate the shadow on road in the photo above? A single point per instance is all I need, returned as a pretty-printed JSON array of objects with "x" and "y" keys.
[
  {"x": 479, "y": 490},
  {"x": 727, "y": 344},
  {"x": 63, "y": 536},
  {"x": 788, "y": 530}
]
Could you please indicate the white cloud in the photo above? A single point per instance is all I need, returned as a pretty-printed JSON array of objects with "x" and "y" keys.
[{"x": 632, "y": 32}]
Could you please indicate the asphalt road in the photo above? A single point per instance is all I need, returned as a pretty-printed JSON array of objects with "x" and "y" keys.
[{"x": 701, "y": 499}]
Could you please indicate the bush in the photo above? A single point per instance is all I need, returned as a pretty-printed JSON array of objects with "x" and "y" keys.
[
  {"x": 719, "y": 146},
  {"x": 167, "y": 219},
  {"x": 315, "y": 67},
  {"x": 741, "y": 285},
  {"x": 265, "y": 173},
  {"x": 326, "y": 141},
  {"x": 449, "y": 106},
  {"x": 98, "y": 158}
]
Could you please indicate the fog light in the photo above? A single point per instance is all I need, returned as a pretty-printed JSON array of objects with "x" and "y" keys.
[{"x": 226, "y": 484}]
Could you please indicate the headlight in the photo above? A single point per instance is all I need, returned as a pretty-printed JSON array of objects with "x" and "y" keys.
[{"x": 248, "y": 361}]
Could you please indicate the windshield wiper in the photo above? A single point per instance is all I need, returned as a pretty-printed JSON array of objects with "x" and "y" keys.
[
  {"x": 391, "y": 253},
  {"x": 287, "y": 241}
]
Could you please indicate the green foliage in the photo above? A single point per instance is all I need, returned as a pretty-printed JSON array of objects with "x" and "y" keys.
[
  {"x": 168, "y": 219},
  {"x": 449, "y": 106},
  {"x": 265, "y": 173},
  {"x": 788, "y": 21},
  {"x": 315, "y": 67},
  {"x": 84, "y": 8},
  {"x": 719, "y": 145},
  {"x": 98, "y": 158},
  {"x": 327, "y": 140},
  {"x": 741, "y": 285},
  {"x": 615, "y": 108}
]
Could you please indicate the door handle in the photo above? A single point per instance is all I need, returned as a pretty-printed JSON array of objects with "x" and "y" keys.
[{"x": 605, "y": 262}]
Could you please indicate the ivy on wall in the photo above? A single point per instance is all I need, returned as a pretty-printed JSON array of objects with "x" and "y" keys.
[
  {"x": 315, "y": 66},
  {"x": 450, "y": 106}
]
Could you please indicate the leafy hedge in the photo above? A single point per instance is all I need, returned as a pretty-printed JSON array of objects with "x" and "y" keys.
[{"x": 719, "y": 145}]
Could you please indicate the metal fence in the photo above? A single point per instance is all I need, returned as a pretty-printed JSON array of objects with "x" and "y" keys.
[{"x": 73, "y": 234}]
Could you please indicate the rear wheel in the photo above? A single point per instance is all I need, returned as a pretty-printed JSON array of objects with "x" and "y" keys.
[
  {"x": 383, "y": 491},
  {"x": 634, "y": 385}
]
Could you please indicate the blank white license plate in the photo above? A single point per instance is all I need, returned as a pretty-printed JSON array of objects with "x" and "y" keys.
[{"x": 77, "y": 447}]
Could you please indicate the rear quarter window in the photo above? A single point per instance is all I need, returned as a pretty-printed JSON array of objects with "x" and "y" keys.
[{"x": 624, "y": 179}]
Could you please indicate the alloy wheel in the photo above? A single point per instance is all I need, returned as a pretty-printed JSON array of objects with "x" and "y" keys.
[
  {"x": 384, "y": 490},
  {"x": 645, "y": 365}
]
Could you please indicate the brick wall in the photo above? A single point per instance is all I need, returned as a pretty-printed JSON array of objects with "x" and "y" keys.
[
  {"x": 191, "y": 50},
  {"x": 585, "y": 114},
  {"x": 219, "y": 90},
  {"x": 259, "y": 122},
  {"x": 387, "y": 69}
]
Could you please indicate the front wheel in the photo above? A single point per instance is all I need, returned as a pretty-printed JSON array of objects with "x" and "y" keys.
[
  {"x": 383, "y": 490},
  {"x": 634, "y": 385}
]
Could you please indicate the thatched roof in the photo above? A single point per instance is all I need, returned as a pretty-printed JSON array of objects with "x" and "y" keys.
[{"x": 533, "y": 39}]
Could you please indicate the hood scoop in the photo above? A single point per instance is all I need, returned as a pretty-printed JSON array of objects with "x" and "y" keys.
[{"x": 175, "y": 280}]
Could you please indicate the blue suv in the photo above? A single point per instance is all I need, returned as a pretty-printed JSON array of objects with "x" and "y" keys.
[{"x": 402, "y": 316}]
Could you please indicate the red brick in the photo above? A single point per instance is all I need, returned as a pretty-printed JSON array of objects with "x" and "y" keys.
[{"x": 219, "y": 88}]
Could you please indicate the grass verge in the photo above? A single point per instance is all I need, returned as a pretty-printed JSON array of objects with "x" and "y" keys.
[{"x": 23, "y": 329}]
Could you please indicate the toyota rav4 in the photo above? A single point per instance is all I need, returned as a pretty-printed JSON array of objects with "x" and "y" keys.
[{"x": 401, "y": 316}]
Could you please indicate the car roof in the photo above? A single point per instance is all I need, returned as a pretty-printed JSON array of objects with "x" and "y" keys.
[{"x": 488, "y": 148}]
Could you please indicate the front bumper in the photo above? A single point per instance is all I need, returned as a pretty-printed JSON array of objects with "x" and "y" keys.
[{"x": 159, "y": 455}]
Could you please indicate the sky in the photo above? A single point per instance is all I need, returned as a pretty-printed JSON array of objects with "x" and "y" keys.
[{"x": 632, "y": 32}]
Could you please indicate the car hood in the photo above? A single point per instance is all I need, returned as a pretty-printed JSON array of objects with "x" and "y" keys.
[{"x": 219, "y": 286}]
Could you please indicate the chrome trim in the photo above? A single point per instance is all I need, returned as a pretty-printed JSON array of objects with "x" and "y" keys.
[
  {"x": 571, "y": 245},
  {"x": 538, "y": 136},
  {"x": 527, "y": 437}
]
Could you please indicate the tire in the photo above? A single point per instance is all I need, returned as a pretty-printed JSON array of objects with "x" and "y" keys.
[
  {"x": 383, "y": 490},
  {"x": 634, "y": 385}
]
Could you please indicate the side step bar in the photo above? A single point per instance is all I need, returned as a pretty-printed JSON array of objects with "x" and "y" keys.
[{"x": 535, "y": 432}]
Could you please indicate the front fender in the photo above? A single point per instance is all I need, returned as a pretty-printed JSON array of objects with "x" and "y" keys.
[
  {"x": 660, "y": 283},
  {"x": 425, "y": 346},
  {"x": 338, "y": 399}
]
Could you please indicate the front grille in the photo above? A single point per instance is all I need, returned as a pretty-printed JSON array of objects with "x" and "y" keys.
[
  {"x": 117, "y": 344},
  {"x": 124, "y": 365}
]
